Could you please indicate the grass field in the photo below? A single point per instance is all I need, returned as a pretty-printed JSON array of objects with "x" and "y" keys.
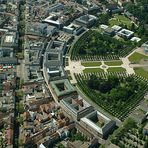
[
  {"x": 113, "y": 63},
  {"x": 91, "y": 64},
  {"x": 141, "y": 72},
  {"x": 137, "y": 57},
  {"x": 116, "y": 69},
  {"x": 120, "y": 19},
  {"x": 91, "y": 70}
]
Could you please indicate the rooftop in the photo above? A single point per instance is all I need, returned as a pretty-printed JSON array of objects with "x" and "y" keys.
[
  {"x": 86, "y": 18},
  {"x": 116, "y": 27},
  {"x": 62, "y": 87},
  {"x": 98, "y": 122},
  {"x": 126, "y": 32},
  {"x": 9, "y": 39},
  {"x": 75, "y": 104},
  {"x": 136, "y": 39}
]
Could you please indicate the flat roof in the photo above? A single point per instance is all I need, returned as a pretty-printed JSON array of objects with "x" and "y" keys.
[
  {"x": 102, "y": 26},
  {"x": 135, "y": 39},
  {"x": 126, "y": 32},
  {"x": 75, "y": 104},
  {"x": 66, "y": 83},
  {"x": 102, "y": 129},
  {"x": 116, "y": 27},
  {"x": 8, "y": 60},
  {"x": 9, "y": 38}
]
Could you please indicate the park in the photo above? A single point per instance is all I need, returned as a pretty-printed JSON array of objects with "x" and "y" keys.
[{"x": 101, "y": 66}]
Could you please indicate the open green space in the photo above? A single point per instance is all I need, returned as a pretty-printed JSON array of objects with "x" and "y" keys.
[
  {"x": 116, "y": 69},
  {"x": 141, "y": 72},
  {"x": 94, "y": 46},
  {"x": 113, "y": 63},
  {"x": 116, "y": 94},
  {"x": 91, "y": 70},
  {"x": 120, "y": 20},
  {"x": 91, "y": 64},
  {"x": 136, "y": 57}
]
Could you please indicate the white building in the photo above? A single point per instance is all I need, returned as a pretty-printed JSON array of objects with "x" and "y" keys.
[
  {"x": 145, "y": 46},
  {"x": 116, "y": 28},
  {"x": 73, "y": 29},
  {"x": 98, "y": 124},
  {"x": 135, "y": 39},
  {"x": 125, "y": 33}
]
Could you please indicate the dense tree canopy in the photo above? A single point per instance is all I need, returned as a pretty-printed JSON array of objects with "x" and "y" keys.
[
  {"x": 113, "y": 88},
  {"x": 139, "y": 9},
  {"x": 99, "y": 44}
]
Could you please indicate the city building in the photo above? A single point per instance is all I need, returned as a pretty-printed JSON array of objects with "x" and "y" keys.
[
  {"x": 98, "y": 124},
  {"x": 54, "y": 20},
  {"x": 76, "y": 107},
  {"x": 65, "y": 37},
  {"x": 53, "y": 60},
  {"x": 127, "y": 34},
  {"x": 145, "y": 130},
  {"x": 62, "y": 88},
  {"x": 79, "y": 144},
  {"x": 109, "y": 31},
  {"x": 86, "y": 20},
  {"x": 55, "y": 7},
  {"x": 103, "y": 27},
  {"x": 116, "y": 28},
  {"x": 9, "y": 39},
  {"x": 73, "y": 29},
  {"x": 139, "y": 115},
  {"x": 91, "y": 8},
  {"x": 113, "y": 8},
  {"x": 37, "y": 29},
  {"x": 145, "y": 46},
  {"x": 8, "y": 61},
  {"x": 135, "y": 39}
]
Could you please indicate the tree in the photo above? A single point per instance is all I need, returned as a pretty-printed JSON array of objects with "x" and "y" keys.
[
  {"x": 110, "y": 13},
  {"x": 104, "y": 19},
  {"x": 92, "y": 82},
  {"x": 146, "y": 144},
  {"x": 61, "y": 145},
  {"x": 20, "y": 120},
  {"x": 72, "y": 134},
  {"x": 20, "y": 107},
  {"x": 133, "y": 27}
]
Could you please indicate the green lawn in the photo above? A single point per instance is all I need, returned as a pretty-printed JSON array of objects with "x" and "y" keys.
[
  {"x": 137, "y": 57},
  {"x": 91, "y": 64},
  {"x": 120, "y": 19},
  {"x": 141, "y": 72},
  {"x": 116, "y": 69},
  {"x": 113, "y": 63},
  {"x": 91, "y": 70}
]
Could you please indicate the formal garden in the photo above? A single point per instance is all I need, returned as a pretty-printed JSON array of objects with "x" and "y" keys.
[
  {"x": 130, "y": 135},
  {"x": 140, "y": 59},
  {"x": 141, "y": 72},
  {"x": 93, "y": 46},
  {"x": 91, "y": 64},
  {"x": 92, "y": 70},
  {"x": 137, "y": 58},
  {"x": 115, "y": 92},
  {"x": 113, "y": 63},
  {"x": 116, "y": 69}
]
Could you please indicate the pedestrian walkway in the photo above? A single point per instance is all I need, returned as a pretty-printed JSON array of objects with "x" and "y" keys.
[{"x": 75, "y": 67}]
